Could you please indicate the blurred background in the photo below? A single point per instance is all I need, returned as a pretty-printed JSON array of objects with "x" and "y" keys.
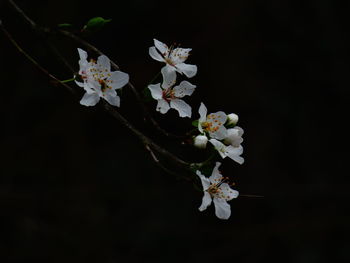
[{"x": 76, "y": 186}]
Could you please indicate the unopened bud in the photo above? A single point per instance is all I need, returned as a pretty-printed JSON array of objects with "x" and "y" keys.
[
  {"x": 232, "y": 119},
  {"x": 234, "y": 136},
  {"x": 200, "y": 141}
]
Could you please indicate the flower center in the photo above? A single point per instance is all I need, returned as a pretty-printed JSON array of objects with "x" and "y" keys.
[
  {"x": 168, "y": 94},
  {"x": 209, "y": 127}
]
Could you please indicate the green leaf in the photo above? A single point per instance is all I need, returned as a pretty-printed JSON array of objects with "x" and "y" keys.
[
  {"x": 64, "y": 25},
  {"x": 95, "y": 24},
  {"x": 195, "y": 123}
]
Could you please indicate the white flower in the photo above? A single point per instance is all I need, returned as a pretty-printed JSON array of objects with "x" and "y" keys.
[
  {"x": 230, "y": 151},
  {"x": 234, "y": 136},
  {"x": 99, "y": 80},
  {"x": 200, "y": 141},
  {"x": 173, "y": 57},
  {"x": 169, "y": 96},
  {"x": 232, "y": 119},
  {"x": 217, "y": 190},
  {"x": 213, "y": 123}
]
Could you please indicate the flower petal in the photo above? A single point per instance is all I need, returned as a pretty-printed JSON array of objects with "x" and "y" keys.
[
  {"x": 163, "y": 49},
  {"x": 228, "y": 192},
  {"x": 187, "y": 69},
  {"x": 111, "y": 97},
  {"x": 222, "y": 208},
  {"x": 169, "y": 77},
  {"x": 163, "y": 106},
  {"x": 155, "y": 55},
  {"x": 216, "y": 175},
  {"x": 118, "y": 79},
  {"x": 104, "y": 63},
  {"x": 202, "y": 116},
  {"x": 220, "y": 133},
  {"x": 80, "y": 84},
  {"x": 184, "y": 89},
  {"x": 179, "y": 55},
  {"x": 156, "y": 91},
  {"x": 82, "y": 54},
  {"x": 205, "y": 181},
  {"x": 90, "y": 99},
  {"x": 182, "y": 107},
  {"x": 220, "y": 147},
  {"x": 206, "y": 201},
  {"x": 234, "y": 153}
]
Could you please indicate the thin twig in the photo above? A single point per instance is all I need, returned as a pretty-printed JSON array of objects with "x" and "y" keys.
[{"x": 145, "y": 140}]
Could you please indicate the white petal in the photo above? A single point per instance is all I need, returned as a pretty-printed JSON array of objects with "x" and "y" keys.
[
  {"x": 182, "y": 107},
  {"x": 184, "y": 89},
  {"x": 103, "y": 63},
  {"x": 234, "y": 153},
  {"x": 112, "y": 98},
  {"x": 82, "y": 54},
  {"x": 169, "y": 77},
  {"x": 118, "y": 79},
  {"x": 222, "y": 208},
  {"x": 202, "y": 112},
  {"x": 220, "y": 133},
  {"x": 206, "y": 201},
  {"x": 228, "y": 192},
  {"x": 155, "y": 55},
  {"x": 179, "y": 55},
  {"x": 90, "y": 99},
  {"x": 220, "y": 147},
  {"x": 163, "y": 106},
  {"x": 163, "y": 49},
  {"x": 234, "y": 136},
  {"x": 216, "y": 175},
  {"x": 187, "y": 69},
  {"x": 156, "y": 91},
  {"x": 205, "y": 181},
  {"x": 80, "y": 84}
]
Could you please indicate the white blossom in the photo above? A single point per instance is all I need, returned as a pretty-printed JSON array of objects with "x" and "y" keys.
[
  {"x": 232, "y": 119},
  {"x": 99, "y": 81},
  {"x": 169, "y": 96},
  {"x": 228, "y": 151},
  {"x": 174, "y": 58},
  {"x": 215, "y": 189},
  {"x": 212, "y": 123},
  {"x": 234, "y": 136},
  {"x": 200, "y": 141}
]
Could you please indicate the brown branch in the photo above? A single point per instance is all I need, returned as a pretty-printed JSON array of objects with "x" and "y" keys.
[
  {"x": 145, "y": 140},
  {"x": 145, "y": 110}
]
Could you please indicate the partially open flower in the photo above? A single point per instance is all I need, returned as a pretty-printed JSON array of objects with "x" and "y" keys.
[
  {"x": 216, "y": 188},
  {"x": 173, "y": 57},
  {"x": 99, "y": 81},
  {"x": 200, "y": 141},
  {"x": 234, "y": 136}
]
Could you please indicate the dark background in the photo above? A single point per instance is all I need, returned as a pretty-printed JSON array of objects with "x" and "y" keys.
[{"x": 76, "y": 186}]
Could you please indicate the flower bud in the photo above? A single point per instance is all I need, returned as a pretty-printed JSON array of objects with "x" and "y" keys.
[
  {"x": 234, "y": 136},
  {"x": 232, "y": 119},
  {"x": 200, "y": 141}
]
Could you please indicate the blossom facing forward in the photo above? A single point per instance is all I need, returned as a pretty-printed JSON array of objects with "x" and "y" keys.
[
  {"x": 174, "y": 58},
  {"x": 99, "y": 81},
  {"x": 217, "y": 190},
  {"x": 170, "y": 97},
  {"x": 212, "y": 123}
]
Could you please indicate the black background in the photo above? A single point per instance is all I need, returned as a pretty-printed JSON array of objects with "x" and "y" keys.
[{"x": 76, "y": 186}]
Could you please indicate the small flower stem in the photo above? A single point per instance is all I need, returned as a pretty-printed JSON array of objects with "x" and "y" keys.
[
  {"x": 155, "y": 77},
  {"x": 67, "y": 80}
]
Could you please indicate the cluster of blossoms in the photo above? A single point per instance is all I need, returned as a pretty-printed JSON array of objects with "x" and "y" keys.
[{"x": 218, "y": 128}]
